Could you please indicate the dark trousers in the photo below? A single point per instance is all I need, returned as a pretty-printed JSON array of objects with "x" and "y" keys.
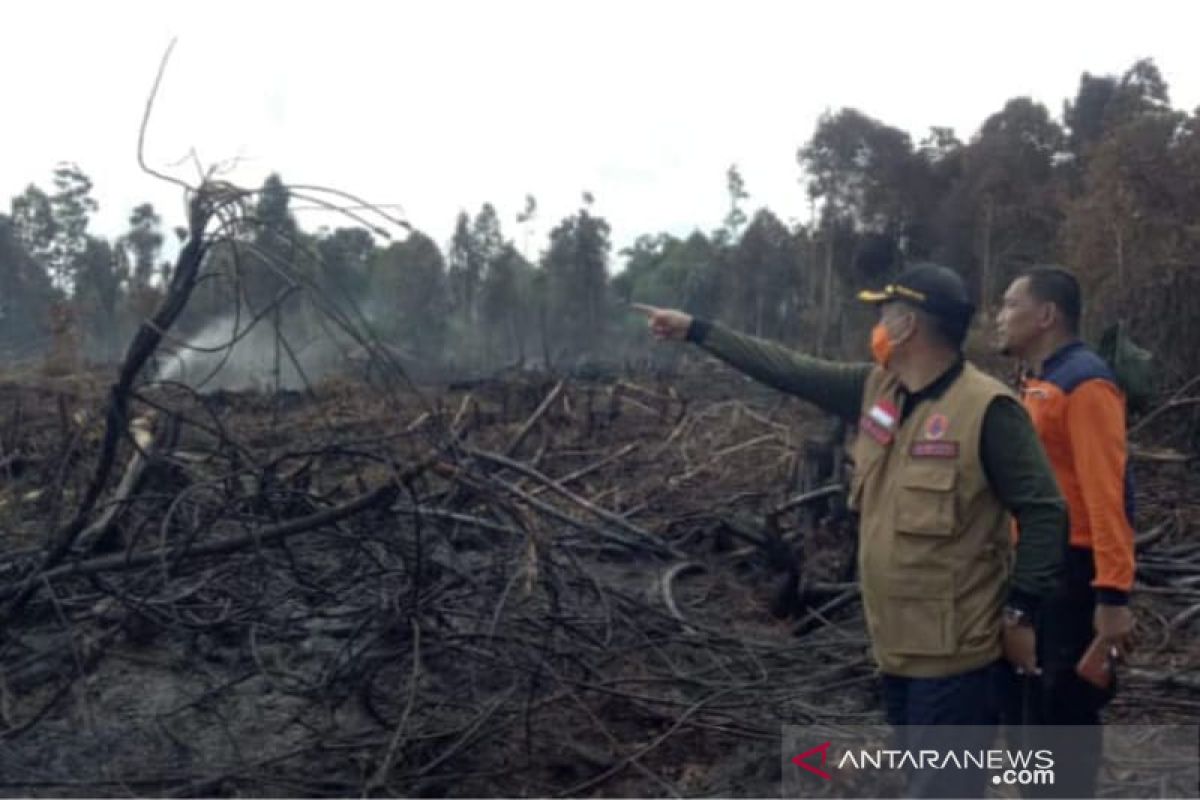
[
  {"x": 927, "y": 711},
  {"x": 1059, "y": 697}
]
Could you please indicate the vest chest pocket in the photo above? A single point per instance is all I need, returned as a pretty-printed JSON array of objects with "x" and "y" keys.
[{"x": 925, "y": 501}]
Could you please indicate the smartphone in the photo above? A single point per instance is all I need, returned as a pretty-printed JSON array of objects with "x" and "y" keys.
[{"x": 1098, "y": 664}]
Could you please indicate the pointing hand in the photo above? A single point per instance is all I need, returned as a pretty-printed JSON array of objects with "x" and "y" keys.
[{"x": 665, "y": 323}]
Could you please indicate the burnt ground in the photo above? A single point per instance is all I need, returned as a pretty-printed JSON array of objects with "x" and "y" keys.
[{"x": 503, "y": 587}]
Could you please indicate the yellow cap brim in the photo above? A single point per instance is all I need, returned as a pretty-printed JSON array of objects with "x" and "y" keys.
[{"x": 892, "y": 291}]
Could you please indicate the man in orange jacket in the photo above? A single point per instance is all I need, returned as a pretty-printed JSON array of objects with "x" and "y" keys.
[{"x": 1079, "y": 414}]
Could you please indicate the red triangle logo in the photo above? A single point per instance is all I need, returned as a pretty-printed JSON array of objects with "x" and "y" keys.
[{"x": 800, "y": 760}]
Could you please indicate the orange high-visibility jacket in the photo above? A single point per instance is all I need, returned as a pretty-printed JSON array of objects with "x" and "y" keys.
[{"x": 1079, "y": 414}]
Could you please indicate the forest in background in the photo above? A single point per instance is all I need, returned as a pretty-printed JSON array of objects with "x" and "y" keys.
[{"x": 1105, "y": 187}]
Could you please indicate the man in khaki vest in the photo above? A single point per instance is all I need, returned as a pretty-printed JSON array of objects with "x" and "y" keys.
[{"x": 944, "y": 454}]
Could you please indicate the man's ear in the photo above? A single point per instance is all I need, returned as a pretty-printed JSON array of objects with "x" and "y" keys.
[
  {"x": 910, "y": 330},
  {"x": 1047, "y": 315}
]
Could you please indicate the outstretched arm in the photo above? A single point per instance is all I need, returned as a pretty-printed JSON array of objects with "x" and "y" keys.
[{"x": 835, "y": 387}]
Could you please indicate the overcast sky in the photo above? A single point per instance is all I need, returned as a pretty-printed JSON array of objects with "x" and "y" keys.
[{"x": 441, "y": 106}]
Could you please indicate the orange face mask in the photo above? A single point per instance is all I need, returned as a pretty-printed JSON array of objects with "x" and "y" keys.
[{"x": 881, "y": 345}]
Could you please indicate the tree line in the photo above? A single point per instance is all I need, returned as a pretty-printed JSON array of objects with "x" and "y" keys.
[{"x": 1105, "y": 187}]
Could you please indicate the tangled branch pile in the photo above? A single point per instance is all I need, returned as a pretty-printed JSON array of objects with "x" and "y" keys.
[{"x": 517, "y": 586}]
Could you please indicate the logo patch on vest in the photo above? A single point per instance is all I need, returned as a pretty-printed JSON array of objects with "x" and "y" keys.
[
  {"x": 936, "y": 426},
  {"x": 880, "y": 422},
  {"x": 926, "y": 448}
]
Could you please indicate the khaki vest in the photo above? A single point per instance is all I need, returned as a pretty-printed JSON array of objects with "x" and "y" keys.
[{"x": 934, "y": 547}]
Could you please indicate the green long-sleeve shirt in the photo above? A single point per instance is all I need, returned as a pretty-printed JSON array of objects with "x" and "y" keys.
[{"x": 1013, "y": 459}]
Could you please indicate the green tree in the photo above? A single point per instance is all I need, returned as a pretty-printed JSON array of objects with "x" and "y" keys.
[
  {"x": 1006, "y": 198},
  {"x": 33, "y": 224},
  {"x": 410, "y": 296},
  {"x": 503, "y": 296},
  {"x": 346, "y": 257},
  {"x": 25, "y": 294},
  {"x": 526, "y": 219},
  {"x": 763, "y": 280},
  {"x": 487, "y": 238},
  {"x": 1130, "y": 226},
  {"x": 465, "y": 269},
  {"x": 1105, "y": 102},
  {"x": 938, "y": 167},
  {"x": 576, "y": 266},
  {"x": 272, "y": 212},
  {"x": 736, "y": 188},
  {"x": 72, "y": 205},
  {"x": 1141, "y": 90},
  {"x": 860, "y": 171},
  {"x": 99, "y": 283},
  {"x": 640, "y": 279},
  {"x": 859, "y": 167},
  {"x": 1084, "y": 117},
  {"x": 275, "y": 246},
  {"x": 667, "y": 271},
  {"x": 144, "y": 242}
]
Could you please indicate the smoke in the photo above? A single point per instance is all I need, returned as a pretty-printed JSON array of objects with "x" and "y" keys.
[{"x": 258, "y": 360}]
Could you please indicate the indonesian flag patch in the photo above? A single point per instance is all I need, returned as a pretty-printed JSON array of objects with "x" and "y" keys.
[{"x": 880, "y": 421}]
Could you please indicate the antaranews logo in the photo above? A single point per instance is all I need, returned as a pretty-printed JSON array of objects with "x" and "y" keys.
[
  {"x": 1009, "y": 767},
  {"x": 879, "y": 760},
  {"x": 802, "y": 760}
]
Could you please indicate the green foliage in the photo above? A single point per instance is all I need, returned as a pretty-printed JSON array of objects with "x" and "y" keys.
[
  {"x": 576, "y": 267},
  {"x": 1132, "y": 365},
  {"x": 465, "y": 268},
  {"x": 33, "y": 223},
  {"x": 1008, "y": 188},
  {"x": 409, "y": 298},
  {"x": 761, "y": 284},
  {"x": 859, "y": 168},
  {"x": 275, "y": 241},
  {"x": 346, "y": 258},
  {"x": 272, "y": 216},
  {"x": 144, "y": 242},
  {"x": 663, "y": 270},
  {"x": 736, "y": 188},
  {"x": 100, "y": 291},
  {"x": 1084, "y": 117},
  {"x": 72, "y": 204},
  {"x": 1108, "y": 190},
  {"x": 25, "y": 294}
]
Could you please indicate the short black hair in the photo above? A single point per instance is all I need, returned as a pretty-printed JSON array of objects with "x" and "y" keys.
[{"x": 1051, "y": 284}]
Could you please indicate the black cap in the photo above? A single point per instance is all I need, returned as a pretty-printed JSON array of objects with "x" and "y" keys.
[{"x": 931, "y": 287}]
